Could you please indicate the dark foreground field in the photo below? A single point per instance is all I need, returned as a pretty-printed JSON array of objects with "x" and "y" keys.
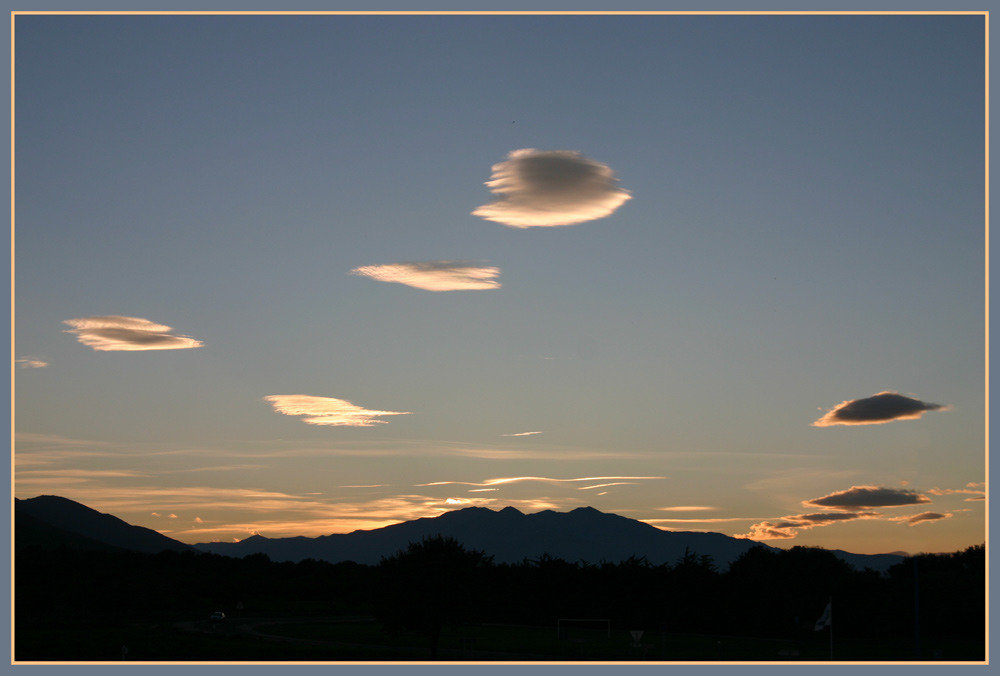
[
  {"x": 437, "y": 601},
  {"x": 366, "y": 640}
]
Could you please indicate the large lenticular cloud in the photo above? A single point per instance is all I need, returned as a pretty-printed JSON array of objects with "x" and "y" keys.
[
  {"x": 877, "y": 409},
  {"x": 867, "y": 497},
  {"x": 434, "y": 275},
  {"x": 327, "y": 411},
  {"x": 540, "y": 188},
  {"x": 117, "y": 333}
]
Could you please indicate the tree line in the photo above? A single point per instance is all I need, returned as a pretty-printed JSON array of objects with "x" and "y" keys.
[{"x": 765, "y": 593}]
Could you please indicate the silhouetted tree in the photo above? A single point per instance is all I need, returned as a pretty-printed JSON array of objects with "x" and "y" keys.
[{"x": 429, "y": 584}]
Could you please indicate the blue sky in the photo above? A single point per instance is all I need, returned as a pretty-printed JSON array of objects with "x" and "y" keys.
[{"x": 804, "y": 227}]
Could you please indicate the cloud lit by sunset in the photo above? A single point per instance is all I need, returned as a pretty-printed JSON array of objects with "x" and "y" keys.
[
  {"x": 923, "y": 517},
  {"x": 327, "y": 410},
  {"x": 857, "y": 502},
  {"x": 539, "y": 188},
  {"x": 877, "y": 409},
  {"x": 434, "y": 275},
  {"x": 399, "y": 266},
  {"x": 858, "y": 498},
  {"x": 117, "y": 333}
]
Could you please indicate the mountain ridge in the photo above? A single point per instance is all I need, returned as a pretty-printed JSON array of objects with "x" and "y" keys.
[
  {"x": 47, "y": 515},
  {"x": 584, "y": 534}
]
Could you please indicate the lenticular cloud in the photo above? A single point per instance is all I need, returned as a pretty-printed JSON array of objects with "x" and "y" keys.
[
  {"x": 539, "y": 188},
  {"x": 877, "y": 409},
  {"x": 868, "y": 497},
  {"x": 327, "y": 411},
  {"x": 434, "y": 275},
  {"x": 117, "y": 333}
]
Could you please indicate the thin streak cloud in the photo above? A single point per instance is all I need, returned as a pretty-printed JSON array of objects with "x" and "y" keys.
[
  {"x": 31, "y": 363},
  {"x": 953, "y": 491},
  {"x": 495, "y": 482},
  {"x": 924, "y": 517},
  {"x": 521, "y": 434},
  {"x": 434, "y": 275},
  {"x": 877, "y": 409},
  {"x": 539, "y": 188},
  {"x": 616, "y": 483},
  {"x": 117, "y": 333},
  {"x": 327, "y": 411}
]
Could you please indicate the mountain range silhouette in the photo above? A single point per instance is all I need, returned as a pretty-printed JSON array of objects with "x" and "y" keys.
[{"x": 510, "y": 536}]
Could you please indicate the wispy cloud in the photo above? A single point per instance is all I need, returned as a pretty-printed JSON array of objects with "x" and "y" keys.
[
  {"x": 434, "y": 275},
  {"x": 82, "y": 473},
  {"x": 550, "y": 188},
  {"x": 521, "y": 434},
  {"x": 45, "y": 442},
  {"x": 868, "y": 497},
  {"x": 327, "y": 411},
  {"x": 509, "y": 480},
  {"x": 31, "y": 363},
  {"x": 877, "y": 409},
  {"x": 961, "y": 491},
  {"x": 117, "y": 333},
  {"x": 715, "y": 520},
  {"x": 687, "y": 508},
  {"x": 217, "y": 468},
  {"x": 232, "y": 513},
  {"x": 560, "y": 454},
  {"x": 924, "y": 517}
]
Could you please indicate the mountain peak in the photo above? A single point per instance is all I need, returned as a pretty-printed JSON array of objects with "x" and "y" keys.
[{"x": 79, "y": 519}]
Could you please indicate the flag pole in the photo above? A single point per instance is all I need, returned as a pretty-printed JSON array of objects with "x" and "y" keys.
[
  {"x": 826, "y": 620},
  {"x": 831, "y": 629},
  {"x": 916, "y": 608}
]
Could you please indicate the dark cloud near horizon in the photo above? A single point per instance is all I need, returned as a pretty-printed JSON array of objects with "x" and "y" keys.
[
  {"x": 855, "y": 503},
  {"x": 877, "y": 409},
  {"x": 924, "y": 517},
  {"x": 789, "y": 526},
  {"x": 545, "y": 188},
  {"x": 858, "y": 498}
]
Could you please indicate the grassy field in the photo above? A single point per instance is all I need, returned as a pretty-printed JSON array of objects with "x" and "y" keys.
[
  {"x": 320, "y": 641},
  {"x": 542, "y": 643}
]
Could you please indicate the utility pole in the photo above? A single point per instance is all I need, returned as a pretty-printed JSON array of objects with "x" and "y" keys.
[{"x": 916, "y": 608}]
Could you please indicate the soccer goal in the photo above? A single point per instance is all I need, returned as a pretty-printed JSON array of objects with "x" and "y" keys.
[{"x": 582, "y": 629}]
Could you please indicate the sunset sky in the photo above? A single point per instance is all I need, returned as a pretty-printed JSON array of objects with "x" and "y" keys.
[{"x": 301, "y": 275}]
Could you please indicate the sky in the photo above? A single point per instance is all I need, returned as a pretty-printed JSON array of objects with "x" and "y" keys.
[{"x": 302, "y": 275}]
